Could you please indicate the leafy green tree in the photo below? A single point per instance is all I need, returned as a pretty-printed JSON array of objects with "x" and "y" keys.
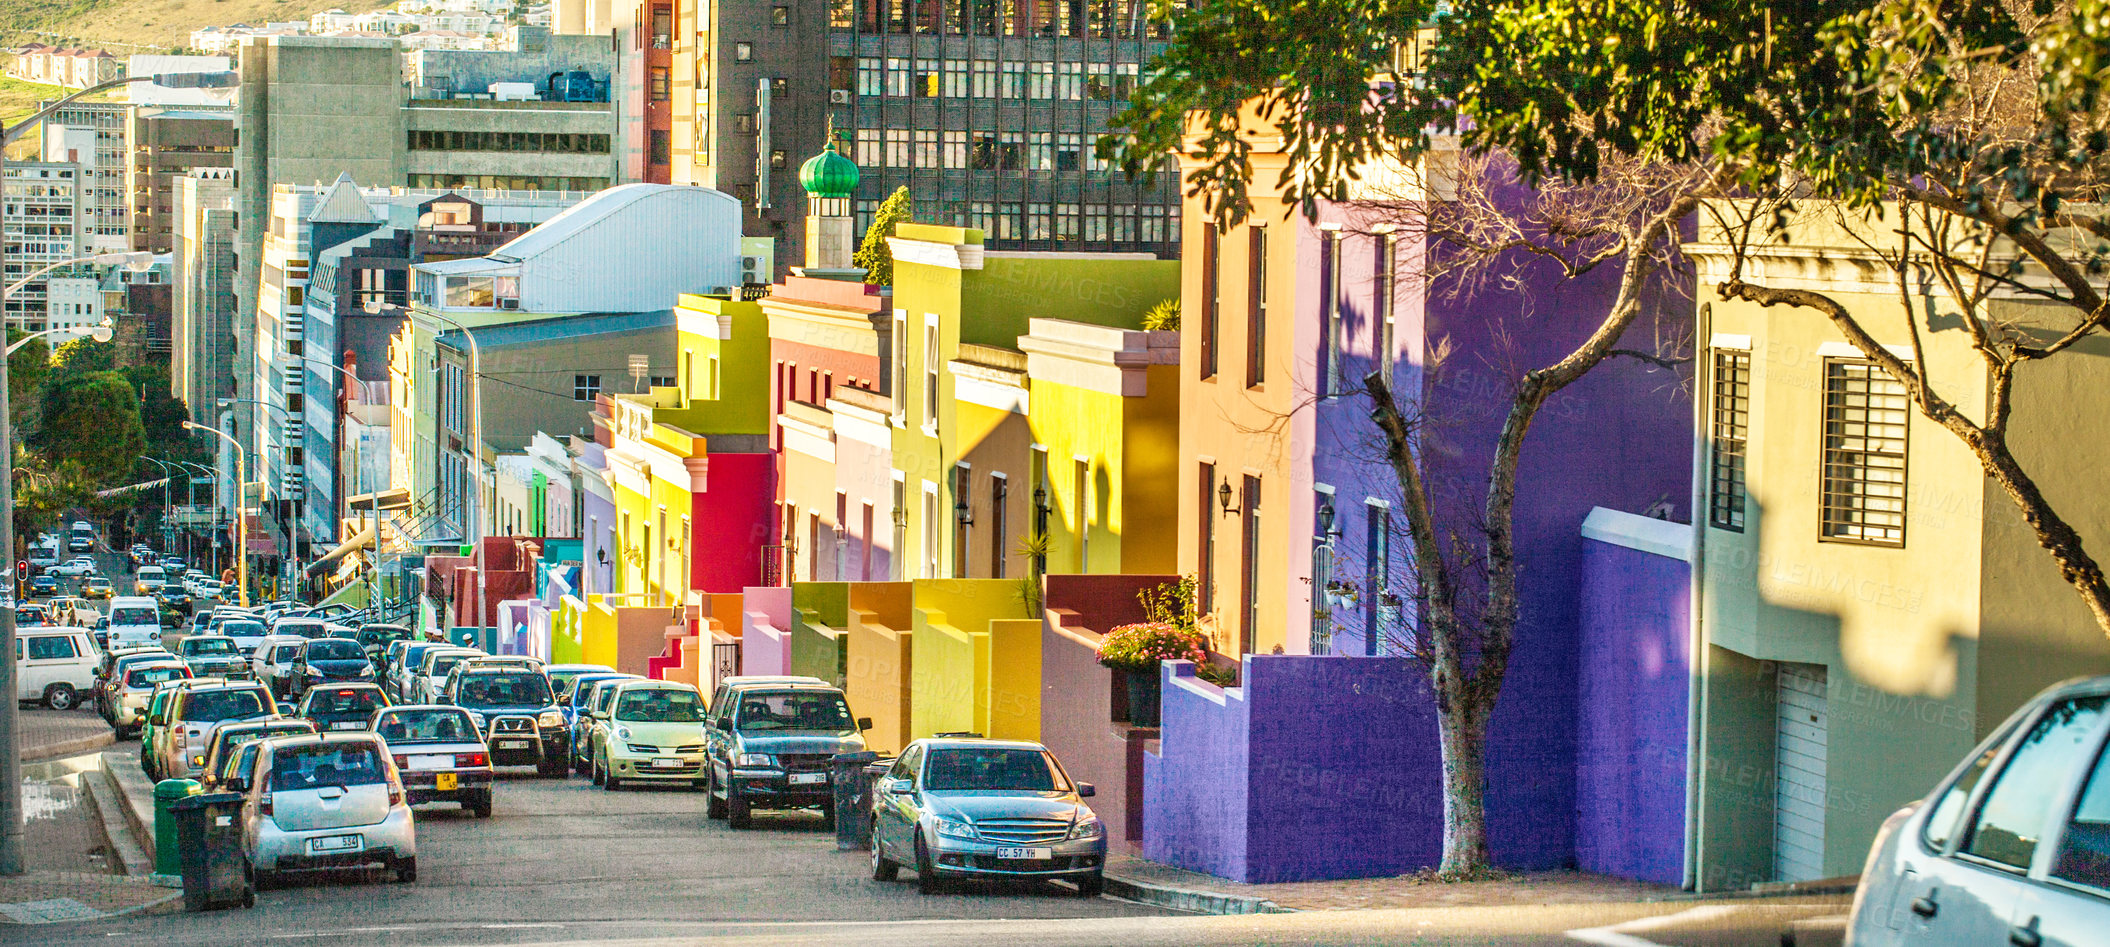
[
  {"x": 1977, "y": 131},
  {"x": 873, "y": 254},
  {"x": 26, "y": 371},
  {"x": 162, "y": 414},
  {"x": 83, "y": 356},
  {"x": 92, "y": 420}
]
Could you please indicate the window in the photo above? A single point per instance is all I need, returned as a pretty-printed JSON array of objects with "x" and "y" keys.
[
  {"x": 1377, "y": 580},
  {"x": 930, "y": 372},
  {"x": 1042, "y": 85},
  {"x": 1069, "y": 152},
  {"x": 898, "y": 386},
  {"x": 984, "y": 84},
  {"x": 956, "y": 78},
  {"x": 897, "y": 148},
  {"x": 1205, "y": 568},
  {"x": 780, "y": 16},
  {"x": 1037, "y": 220},
  {"x": 2084, "y": 848},
  {"x": 743, "y": 52},
  {"x": 1256, "y": 306},
  {"x": 1068, "y": 218},
  {"x": 661, "y": 147},
  {"x": 660, "y": 81},
  {"x": 1863, "y": 483},
  {"x": 1381, "y": 292},
  {"x": 1330, "y": 301},
  {"x": 1732, "y": 423},
  {"x": 2018, "y": 809},
  {"x": 585, "y": 387},
  {"x": 930, "y": 530},
  {"x": 50, "y": 647},
  {"x": 999, "y": 495},
  {"x": 1249, "y": 560},
  {"x": 927, "y": 79},
  {"x": 1212, "y": 265},
  {"x": 926, "y": 148},
  {"x": 870, "y": 77},
  {"x": 868, "y": 150},
  {"x": 962, "y": 519},
  {"x": 955, "y": 146},
  {"x": 1040, "y": 151},
  {"x": 896, "y": 76},
  {"x": 1070, "y": 81}
]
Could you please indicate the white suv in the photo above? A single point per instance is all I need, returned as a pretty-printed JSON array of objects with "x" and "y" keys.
[{"x": 55, "y": 666}]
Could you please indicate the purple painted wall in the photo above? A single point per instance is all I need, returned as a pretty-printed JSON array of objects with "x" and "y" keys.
[
  {"x": 1630, "y": 753},
  {"x": 1620, "y": 438},
  {"x": 1336, "y": 780}
]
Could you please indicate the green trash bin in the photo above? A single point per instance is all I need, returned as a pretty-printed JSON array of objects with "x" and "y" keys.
[
  {"x": 167, "y": 792},
  {"x": 209, "y": 829}
]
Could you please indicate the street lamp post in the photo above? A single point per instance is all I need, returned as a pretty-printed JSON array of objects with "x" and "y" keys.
[
  {"x": 476, "y": 423},
  {"x": 241, "y": 522},
  {"x": 168, "y": 476},
  {"x": 10, "y": 743},
  {"x": 287, "y": 555}
]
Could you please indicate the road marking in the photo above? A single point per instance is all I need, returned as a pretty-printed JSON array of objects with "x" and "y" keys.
[{"x": 1623, "y": 934}]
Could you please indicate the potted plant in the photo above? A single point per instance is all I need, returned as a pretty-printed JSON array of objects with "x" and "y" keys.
[{"x": 1135, "y": 650}]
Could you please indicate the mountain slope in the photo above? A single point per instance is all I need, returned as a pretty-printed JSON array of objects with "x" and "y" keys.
[{"x": 138, "y": 26}]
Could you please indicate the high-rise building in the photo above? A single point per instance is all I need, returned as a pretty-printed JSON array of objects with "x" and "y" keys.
[
  {"x": 44, "y": 224},
  {"x": 92, "y": 135},
  {"x": 202, "y": 336},
  {"x": 987, "y": 110},
  {"x": 166, "y": 143}
]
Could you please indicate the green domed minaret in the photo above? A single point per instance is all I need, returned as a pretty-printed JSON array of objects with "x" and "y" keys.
[
  {"x": 828, "y": 174},
  {"x": 829, "y": 180}
]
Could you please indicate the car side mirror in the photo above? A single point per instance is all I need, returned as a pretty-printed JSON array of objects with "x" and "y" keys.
[
  {"x": 864, "y": 723},
  {"x": 237, "y": 784},
  {"x": 901, "y": 787},
  {"x": 1087, "y": 790}
]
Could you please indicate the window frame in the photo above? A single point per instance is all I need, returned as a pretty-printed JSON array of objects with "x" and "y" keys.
[
  {"x": 1736, "y": 417},
  {"x": 1827, "y": 513}
]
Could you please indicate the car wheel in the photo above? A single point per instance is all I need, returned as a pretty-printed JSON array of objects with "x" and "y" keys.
[
  {"x": 883, "y": 868},
  {"x": 578, "y": 766},
  {"x": 261, "y": 880},
  {"x": 481, "y": 804},
  {"x": 608, "y": 780},
  {"x": 738, "y": 814},
  {"x": 406, "y": 870},
  {"x": 61, "y": 697},
  {"x": 594, "y": 770},
  {"x": 927, "y": 880},
  {"x": 713, "y": 807},
  {"x": 1090, "y": 886}
]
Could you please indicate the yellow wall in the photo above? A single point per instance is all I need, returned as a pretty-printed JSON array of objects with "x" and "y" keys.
[
  {"x": 881, "y": 641},
  {"x": 958, "y": 680}
]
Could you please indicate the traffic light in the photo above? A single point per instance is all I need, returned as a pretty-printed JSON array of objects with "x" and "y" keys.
[{"x": 21, "y": 571}]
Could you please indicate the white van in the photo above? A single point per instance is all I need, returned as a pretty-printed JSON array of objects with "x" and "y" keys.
[
  {"x": 134, "y": 620},
  {"x": 55, "y": 665},
  {"x": 149, "y": 579}
]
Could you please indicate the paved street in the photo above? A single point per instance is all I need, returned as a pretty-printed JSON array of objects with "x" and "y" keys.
[{"x": 561, "y": 862}]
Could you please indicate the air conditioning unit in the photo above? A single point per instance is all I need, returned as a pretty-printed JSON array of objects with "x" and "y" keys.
[
  {"x": 507, "y": 303},
  {"x": 838, "y": 96}
]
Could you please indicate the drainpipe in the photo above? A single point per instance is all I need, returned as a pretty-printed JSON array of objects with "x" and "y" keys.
[{"x": 1696, "y": 636}]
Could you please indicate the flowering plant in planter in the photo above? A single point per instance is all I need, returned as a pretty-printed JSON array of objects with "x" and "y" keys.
[{"x": 1139, "y": 647}]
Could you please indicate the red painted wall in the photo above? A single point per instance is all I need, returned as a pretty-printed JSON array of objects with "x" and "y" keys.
[{"x": 730, "y": 521}]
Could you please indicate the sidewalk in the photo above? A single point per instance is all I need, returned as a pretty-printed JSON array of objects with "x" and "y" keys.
[
  {"x": 71, "y": 851},
  {"x": 50, "y": 734},
  {"x": 1173, "y": 887}
]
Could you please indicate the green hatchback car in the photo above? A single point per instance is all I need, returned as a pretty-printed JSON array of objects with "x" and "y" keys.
[{"x": 652, "y": 732}]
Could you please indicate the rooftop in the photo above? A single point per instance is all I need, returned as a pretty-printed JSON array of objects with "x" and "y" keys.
[{"x": 559, "y": 328}]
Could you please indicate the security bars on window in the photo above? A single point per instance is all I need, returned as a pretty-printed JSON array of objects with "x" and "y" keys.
[
  {"x": 1732, "y": 420},
  {"x": 1865, "y": 413}
]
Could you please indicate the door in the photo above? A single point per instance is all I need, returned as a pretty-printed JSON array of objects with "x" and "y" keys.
[
  {"x": 1800, "y": 734},
  {"x": 2073, "y": 907},
  {"x": 894, "y": 814}
]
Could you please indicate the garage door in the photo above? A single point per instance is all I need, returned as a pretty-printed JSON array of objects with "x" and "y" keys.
[{"x": 1800, "y": 724}]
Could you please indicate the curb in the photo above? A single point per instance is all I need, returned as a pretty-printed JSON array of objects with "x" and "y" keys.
[
  {"x": 1771, "y": 890},
  {"x": 137, "y": 807},
  {"x": 63, "y": 748},
  {"x": 109, "y": 804},
  {"x": 1189, "y": 900}
]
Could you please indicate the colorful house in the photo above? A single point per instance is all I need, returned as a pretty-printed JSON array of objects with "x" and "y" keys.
[
  {"x": 1288, "y": 522},
  {"x": 1866, "y": 593}
]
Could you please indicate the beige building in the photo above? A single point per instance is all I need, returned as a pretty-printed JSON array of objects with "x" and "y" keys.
[{"x": 1864, "y": 591}]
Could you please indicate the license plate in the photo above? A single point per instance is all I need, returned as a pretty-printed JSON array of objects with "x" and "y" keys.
[
  {"x": 808, "y": 779},
  {"x": 336, "y": 843},
  {"x": 1026, "y": 854},
  {"x": 446, "y": 781},
  {"x": 345, "y": 725},
  {"x": 666, "y": 762},
  {"x": 514, "y": 744},
  {"x": 440, "y": 761}
]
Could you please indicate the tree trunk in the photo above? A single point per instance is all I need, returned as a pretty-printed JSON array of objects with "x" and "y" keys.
[
  {"x": 2057, "y": 536},
  {"x": 1463, "y": 728}
]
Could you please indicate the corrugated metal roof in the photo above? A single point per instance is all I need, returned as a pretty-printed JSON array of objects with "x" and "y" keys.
[
  {"x": 539, "y": 331},
  {"x": 579, "y": 217}
]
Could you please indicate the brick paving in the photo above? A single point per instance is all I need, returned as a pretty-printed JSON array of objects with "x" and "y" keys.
[
  {"x": 1406, "y": 891},
  {"x": 40, "y": 727}
]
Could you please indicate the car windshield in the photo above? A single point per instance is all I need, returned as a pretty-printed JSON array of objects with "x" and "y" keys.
[
  {"x": 342, "y": 700},
  {"x": 428, "y": 726},
  {"x": 446, "y": 662},
  {"x": 659, "y": 705},
  {"x": 208, "y": 646},
  {"x": 817, "y": 710},
  {"x": 312, "y": 767},
  {"x": 148, "y": 677},
  {"x": 510, "y": 689},
  {"x": 242, "y": 629},
  {"x": 305, "y": 629},
  {"x": 1014, "y": 770},
  {"x": 134, "y": 615},
  {"x": 334, "y": 649},
  {"x": 223, "y": 705}
]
